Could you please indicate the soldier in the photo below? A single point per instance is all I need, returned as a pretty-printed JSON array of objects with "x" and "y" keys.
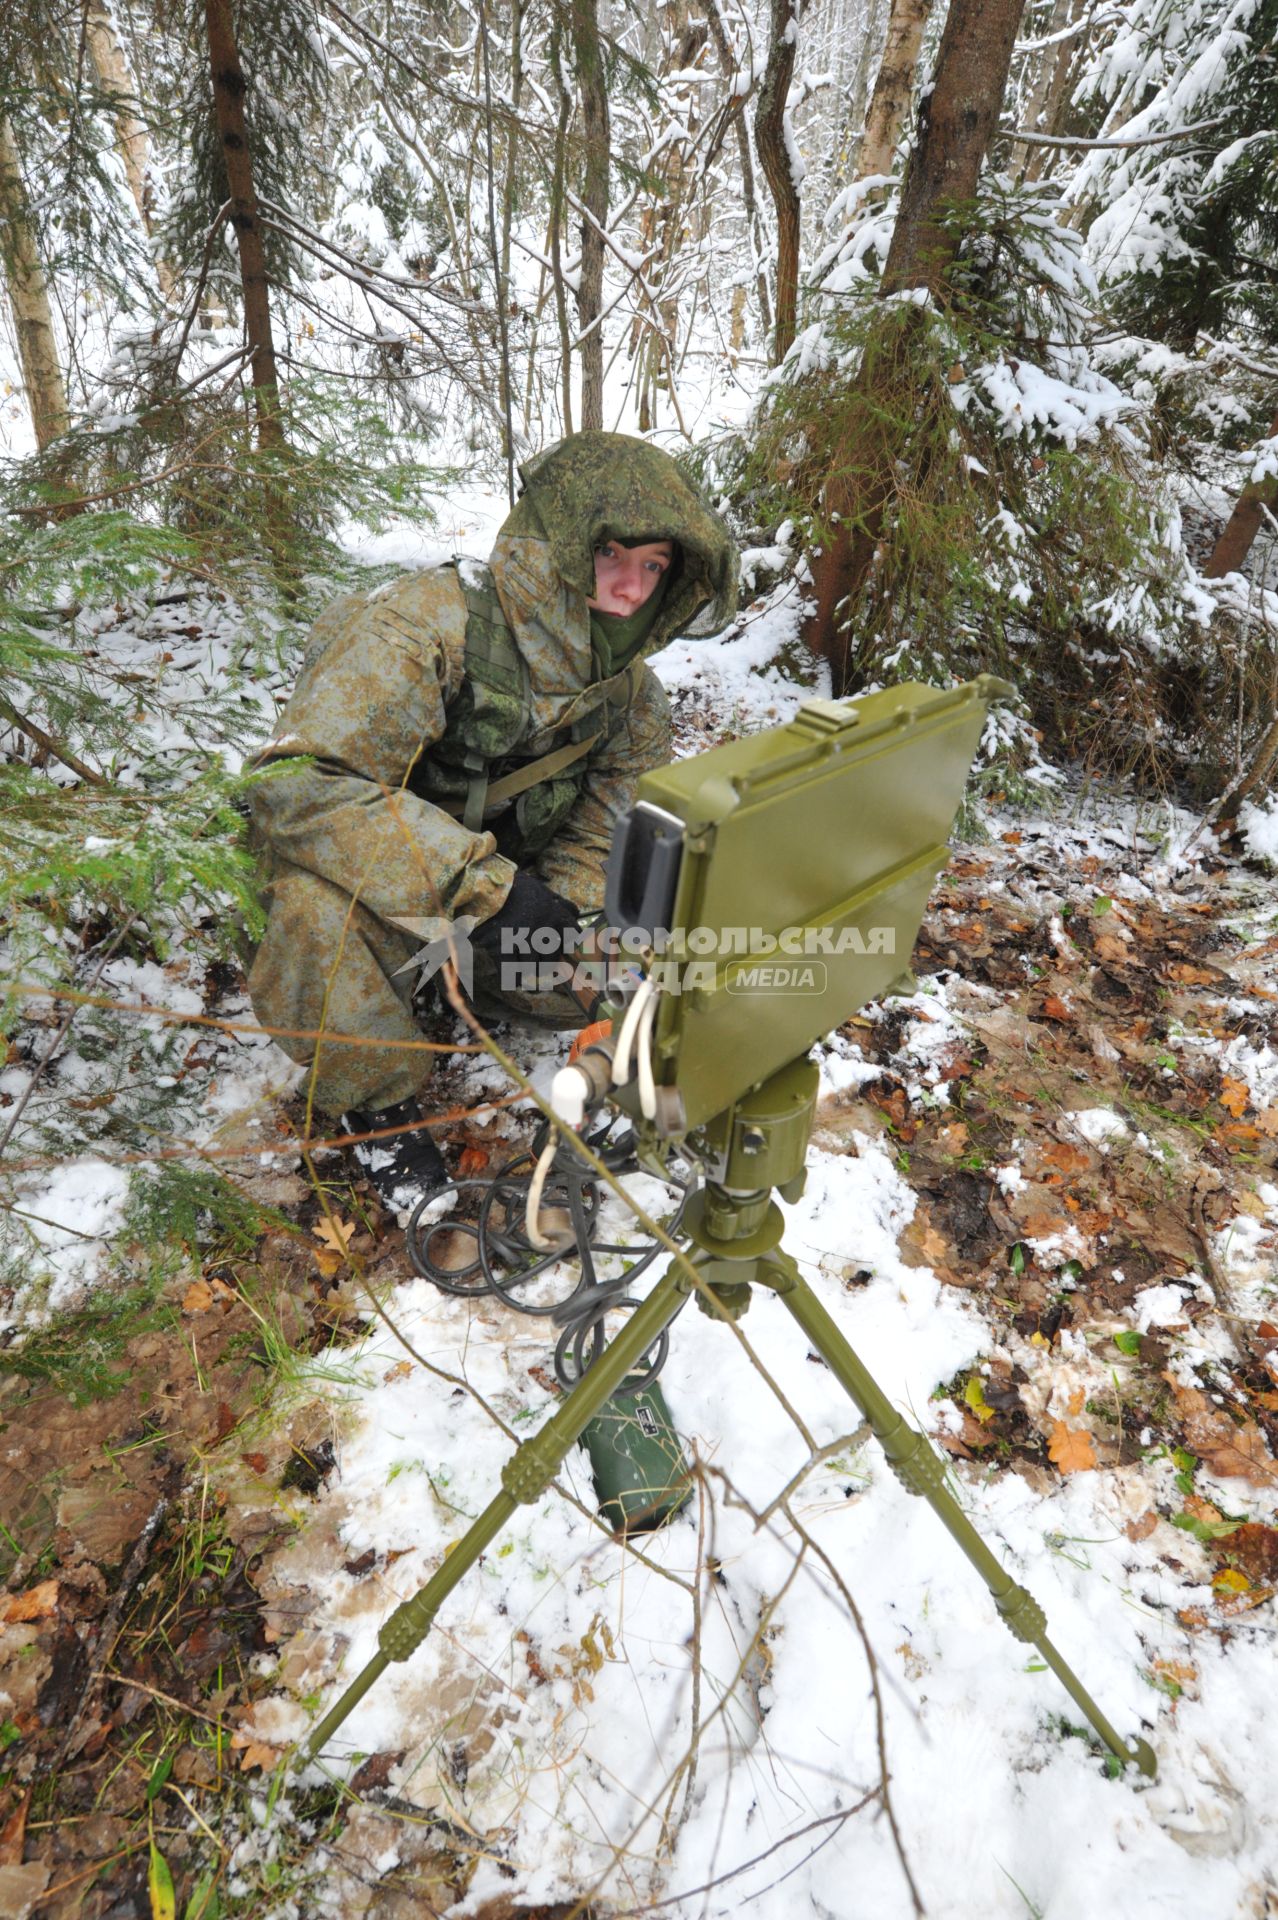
[{"x": 471, "y": 735}]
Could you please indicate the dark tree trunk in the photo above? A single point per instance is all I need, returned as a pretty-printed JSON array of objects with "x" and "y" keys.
[
  {"x": 1251, "y": 508},
  {"x": 593, "y": 89},
  {"x": 956, "y": 124},
  {"x": 229, "y": 89},
  {"x": 957, "y": 120},
  {"x": 775, "y": 159}
]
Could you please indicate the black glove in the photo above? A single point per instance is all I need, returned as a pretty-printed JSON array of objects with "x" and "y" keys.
[{"x": 528, "y": 908}]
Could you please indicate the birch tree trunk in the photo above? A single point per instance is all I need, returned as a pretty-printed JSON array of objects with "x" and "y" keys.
[
  {"x": 593, "y": 91},
  {"x": 1047, "y": 101},
  {"x": 229, "y": 89},
  {"x": 890, "y": 101},
  {"x": 133, "y": 140},
  {"x": 29, "y": 299},
  {"x": 774, "y": 149},
  {"x": 956, "y": 123}
]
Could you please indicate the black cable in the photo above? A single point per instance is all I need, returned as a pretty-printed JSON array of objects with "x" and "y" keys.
[{"x": 506, "y": 1263}]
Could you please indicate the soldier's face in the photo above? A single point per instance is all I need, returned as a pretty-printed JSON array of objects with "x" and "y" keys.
[{"x": 625, "y": 577}]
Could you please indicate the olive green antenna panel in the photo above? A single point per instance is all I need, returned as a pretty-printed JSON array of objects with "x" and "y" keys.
[{"x": 798, "y": 865}]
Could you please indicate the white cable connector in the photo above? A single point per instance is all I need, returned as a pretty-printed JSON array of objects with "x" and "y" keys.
[{"x": 569, "y": 1091}]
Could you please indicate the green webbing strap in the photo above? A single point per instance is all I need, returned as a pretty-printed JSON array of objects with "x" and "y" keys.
[
  {"x": 472, "y": 809},
  {"x": 484, "y": 797}
]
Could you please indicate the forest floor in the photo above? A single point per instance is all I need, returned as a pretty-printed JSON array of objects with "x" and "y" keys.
[{"x": 1043, "y": 1206}]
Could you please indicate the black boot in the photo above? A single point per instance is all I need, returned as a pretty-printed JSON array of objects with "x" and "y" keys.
[{"x": 404, "y": 1168}]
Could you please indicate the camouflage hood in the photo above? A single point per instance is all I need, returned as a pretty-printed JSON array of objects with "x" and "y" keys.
[{"x": 580, "y": 493}]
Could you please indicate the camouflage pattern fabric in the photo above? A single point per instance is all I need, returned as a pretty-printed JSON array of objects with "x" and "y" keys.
[{"x": 385, "y": 714}]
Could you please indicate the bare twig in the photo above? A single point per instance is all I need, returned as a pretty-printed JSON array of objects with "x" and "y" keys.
[
  {"x": 1140, "y": 140},
  {"x": 50, "y": 745}
]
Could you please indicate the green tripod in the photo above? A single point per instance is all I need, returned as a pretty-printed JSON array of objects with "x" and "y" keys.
[{"x": 735, "y": 1228}]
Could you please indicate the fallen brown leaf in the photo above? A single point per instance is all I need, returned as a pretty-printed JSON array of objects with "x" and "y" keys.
[
  {"x": 924, "y": 1240},
  {"x": 375, "y": 1772},
  {"x": 1042, "y": 1223},
  {"x": 1071, "y": 1448},
  {"x": 37, "y": 1603},
  {"x": 974, "y": 1434},
  {"x": 1242, "y": 1602},
  {"x": 335, "y": 1233},
  {"x": 1143, "y": 1525},
  {"x": 198, "y": 1297},
  {"x": 1108, "y": 946},
  {"x": 1233, "y": 1450},
  {"x": 1063, "y": 1157},
  {"x": 1254, "y": 1548},
  {"x": 1183, "y": 1676},
  {"x": 1235, "y": 1096},
  {"x": 400, "y": 1371}
]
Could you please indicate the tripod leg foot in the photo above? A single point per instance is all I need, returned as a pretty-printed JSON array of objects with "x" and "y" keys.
[{"x": 921, "y": 1471}]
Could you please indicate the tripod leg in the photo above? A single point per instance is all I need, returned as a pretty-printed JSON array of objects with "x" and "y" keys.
[
  {"x": 524, "y": 1480},
  {"x": 920, "y": 1470}
]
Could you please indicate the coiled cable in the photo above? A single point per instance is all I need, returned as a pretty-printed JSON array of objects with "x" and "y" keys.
[{"x": 494, "y": 1212}]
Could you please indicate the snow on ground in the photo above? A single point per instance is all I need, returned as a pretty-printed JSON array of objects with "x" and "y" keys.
[{"x": 580, "y": 1655}]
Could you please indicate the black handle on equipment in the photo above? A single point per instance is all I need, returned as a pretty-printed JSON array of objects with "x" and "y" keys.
[{"x": 643, "y": 871}]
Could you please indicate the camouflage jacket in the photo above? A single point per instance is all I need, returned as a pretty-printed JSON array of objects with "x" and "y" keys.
[{"x": 393, "y": 724}]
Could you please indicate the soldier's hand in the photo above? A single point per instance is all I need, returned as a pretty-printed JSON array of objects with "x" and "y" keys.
[{"x": 530, "y": 908}]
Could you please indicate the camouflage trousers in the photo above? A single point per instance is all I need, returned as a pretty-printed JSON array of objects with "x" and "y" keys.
[{"x": 326, "y": 981}]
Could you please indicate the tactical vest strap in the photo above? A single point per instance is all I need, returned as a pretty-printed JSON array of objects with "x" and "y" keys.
[{"x": 495, "y": 794}]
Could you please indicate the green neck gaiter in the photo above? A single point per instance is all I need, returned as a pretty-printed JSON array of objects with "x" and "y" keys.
[{"x": 619, "y": 637}]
